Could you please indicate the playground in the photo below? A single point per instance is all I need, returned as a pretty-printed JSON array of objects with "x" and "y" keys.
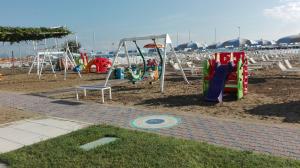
[{"x": 272, "y": 98}]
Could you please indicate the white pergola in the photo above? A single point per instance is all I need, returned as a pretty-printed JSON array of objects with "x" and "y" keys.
[{"x": 167, "y": 44}]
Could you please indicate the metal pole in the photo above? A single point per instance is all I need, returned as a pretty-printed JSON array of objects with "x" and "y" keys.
[
  {"x": 38, "y": 62},
  {"x": 113, "y": 63},
  {"x": 33, "y": 62},
  {"x": 126, "y": 53},
  {"x": 93, "y": 42},
  {"x": 53, "y": 71},
  {"x": 179, "y": 64},
  {"x": 76, "y": 40},
  {"x": 215, "y": 35},
  {"x": 66, "y": 66},
  {"x": 239, "y": 28},
  {"x": 177, "y": 39},
  {"x": 162, "y": 78}
]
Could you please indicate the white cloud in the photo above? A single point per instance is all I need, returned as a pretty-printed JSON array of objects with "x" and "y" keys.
[{"x": 288, "y": 10}]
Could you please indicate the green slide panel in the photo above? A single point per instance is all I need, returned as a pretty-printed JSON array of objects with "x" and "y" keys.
[
  {"x": 240, "y": 86},
  {"x": 205, "y": 74}
]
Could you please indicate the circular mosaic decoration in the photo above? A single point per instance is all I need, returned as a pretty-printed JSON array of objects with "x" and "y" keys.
[{"x": 155, "y": 122}]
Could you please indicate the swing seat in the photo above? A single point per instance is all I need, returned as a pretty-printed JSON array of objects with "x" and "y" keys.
[{"x": 152, "y": 45}]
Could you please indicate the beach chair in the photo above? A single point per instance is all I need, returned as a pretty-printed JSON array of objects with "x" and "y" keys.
[
  {"x": 260, "y": 64},
  {"x": 177, "y": 68},
  {"x": 289, "y": 65},
  {"x": 194, "y": 70},
  {"x": 276, "y": 59},
  {"x": 284, "y": 69}
]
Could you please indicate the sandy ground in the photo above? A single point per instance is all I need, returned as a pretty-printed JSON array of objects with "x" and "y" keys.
[
  {"x": 19, "y": 81},
  {"x": 274, "y": 97},
  {"x": 10, "y": 114}
]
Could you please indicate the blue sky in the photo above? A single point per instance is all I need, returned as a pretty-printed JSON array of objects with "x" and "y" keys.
[{"x": 112, "y": 20}]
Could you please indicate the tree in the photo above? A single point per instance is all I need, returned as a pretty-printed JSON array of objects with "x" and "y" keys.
[{"x": 73, "y": 46}]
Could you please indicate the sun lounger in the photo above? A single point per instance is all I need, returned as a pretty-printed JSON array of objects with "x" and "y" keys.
[
  {"x": 289, "y": 65},
  {"x": 284, "y": 69},
  {"x": 262, "y": 64}
]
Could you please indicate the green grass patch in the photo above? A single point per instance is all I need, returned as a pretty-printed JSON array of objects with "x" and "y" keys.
[{"x": 134, "y": 149}]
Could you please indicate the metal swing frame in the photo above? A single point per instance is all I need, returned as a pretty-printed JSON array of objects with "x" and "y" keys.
[{"x": 167, "y": 44}]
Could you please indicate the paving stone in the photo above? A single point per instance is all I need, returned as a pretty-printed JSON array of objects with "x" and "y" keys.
[
  {"x": 7, "y": 146},
  {"x": 21, "y": 137},
  {"x": 276, "y": 140},
  {"x": 40, "y": 129},
  {"x": 61, "y": 124}
]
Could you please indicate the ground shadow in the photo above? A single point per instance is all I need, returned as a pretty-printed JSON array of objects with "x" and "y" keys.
[
  {"x": 42, "y": 94},
  {"x": 288, "y": 76},
  {"x": 65, "y": 102},
  {"x": 96, "y": 79},
  {"x": 256, "y": 80},
  {"x": 180, "y": 78},
  {"x": 183, "y": 100},
  {"x": 123, "y": 88},
  {"x": 289, "y": 111}
]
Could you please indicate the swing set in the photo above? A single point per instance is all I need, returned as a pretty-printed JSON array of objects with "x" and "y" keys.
[{"x": 150, "y": 68}]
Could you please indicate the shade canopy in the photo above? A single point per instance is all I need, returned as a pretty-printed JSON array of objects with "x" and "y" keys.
[
  {"x": 289, "y": 39},
  {"x": 212, "y": 46},
  {"x": 189, "y": 45},
  {"x": 18, "y": 34},
  {"x": 235, "y": 43},
  {"x": 261, "y": 42}
]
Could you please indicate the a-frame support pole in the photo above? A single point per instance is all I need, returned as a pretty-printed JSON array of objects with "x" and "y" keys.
[
  {"x": 163, "y": 70},
  {"x": 167, "y": 43},
  {"x": 126, "y": 53},
  {"x": 113, "y": 63},
  {"x": 179, "y": 64}
]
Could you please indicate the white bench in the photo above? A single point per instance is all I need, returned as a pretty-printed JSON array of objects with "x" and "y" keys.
[{"x": 102, "y": 88}]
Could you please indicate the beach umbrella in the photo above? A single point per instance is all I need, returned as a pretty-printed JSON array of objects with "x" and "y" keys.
[
  {"x": 261, "y": 42},
  {"x": 193, "y": 45},
  {"x": 212, "y": 46},
  {"x": 289, "y": 39},
  {"x": 235, "y": 43},
  {"x": 181, "y": 46}
]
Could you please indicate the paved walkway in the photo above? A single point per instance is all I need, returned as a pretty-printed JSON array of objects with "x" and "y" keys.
[
  {"x": 246, "y": 136},
  {"x": 26, "y": 132}
]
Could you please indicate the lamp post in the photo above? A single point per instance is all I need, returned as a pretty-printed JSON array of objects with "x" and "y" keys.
[
  {"x": 215, "y": 35},
  {"x": 239, "y": 38},
  {"x": 239, "y": 28}
]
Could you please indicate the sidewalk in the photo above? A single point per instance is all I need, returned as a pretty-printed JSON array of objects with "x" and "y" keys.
[
  {"x": 275, "y": 140},
  {"x": 26, "y": 132}
]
